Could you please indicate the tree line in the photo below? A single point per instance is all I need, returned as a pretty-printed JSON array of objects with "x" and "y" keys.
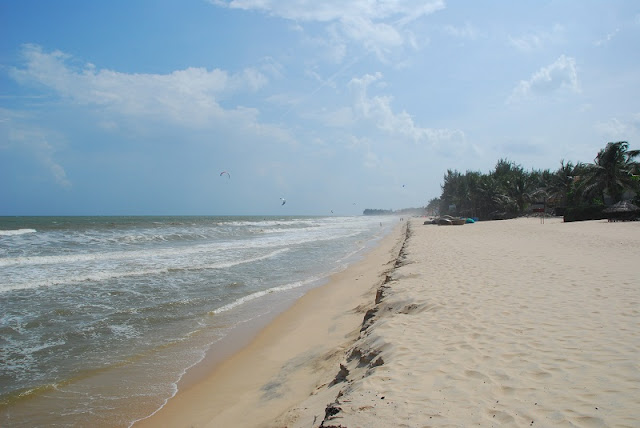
[{"x": 581, "y": 189}]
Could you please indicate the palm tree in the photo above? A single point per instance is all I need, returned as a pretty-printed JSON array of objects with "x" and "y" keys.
[
  {"x": 472, "y": 180},
  {"x": 612, "y": 172},
  {"x": 489, "y": 196},
  {"x": 559, "y": 186},
  {"x": 433, "y": 207},
  {"x": 515, "y": 185},
  {"x": 450, "y": 191}
]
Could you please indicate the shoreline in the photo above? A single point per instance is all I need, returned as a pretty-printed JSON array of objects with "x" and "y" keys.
[
  {"x": 509, "y": 322},
  {"x": 272, "y": 366}
]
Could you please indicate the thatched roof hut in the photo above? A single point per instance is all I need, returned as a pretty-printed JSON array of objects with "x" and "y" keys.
[
  {"x": 622, "y": 207},
  {"x": 623, "y": 210}
]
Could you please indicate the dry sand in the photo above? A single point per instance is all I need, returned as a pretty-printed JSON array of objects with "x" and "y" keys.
[{"x": 507, "y": 323}]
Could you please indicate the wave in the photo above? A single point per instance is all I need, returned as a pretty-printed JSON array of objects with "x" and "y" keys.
[
  {"x": 272, "y": 223},
  {"x": 16, "y": 232},
  {"x": 107, "y": 275},
  {"x": 262, "y": 293},
  {"x": 269, "y": 241}
]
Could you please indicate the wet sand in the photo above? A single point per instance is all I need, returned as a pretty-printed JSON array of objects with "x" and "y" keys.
[{"x": 283, "y": 364}]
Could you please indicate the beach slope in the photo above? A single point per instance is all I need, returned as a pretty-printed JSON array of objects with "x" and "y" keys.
[{"x": 291, "y": 357}]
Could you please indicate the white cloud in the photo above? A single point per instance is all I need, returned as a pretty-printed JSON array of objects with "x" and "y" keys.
[
  {"x": 188, "y": 97},
  {"x": 378, "y": 110},
  {"x": 378, "y": 25},
  {"x": 19, "y": 136},
  {"x": 340, "y": 118},
  {"x": 371, "y": 160},
  {"x": 330, "y": 48},
  {"x": 466, "y": 32},
  {"x": 363, "y": 145},
  {"x": 249, "y": 78},
  {"x": 322, "y": 81},
  {"x": 607, "y": 38},
  {"x": 527, "y": 42},
  {"x": 536, "y": 40},
  {"x": 331, "y": 10},
  {"x": 616, "y": 129},
  {"x": 272, "y": 67},
  {"x": 379, "y": 38},
  {"x": 562, "y": 74},
  {"x": 58, "y": 173}
]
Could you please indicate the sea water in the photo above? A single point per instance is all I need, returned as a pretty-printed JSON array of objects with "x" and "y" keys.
[{"x": 101, "y": 317}]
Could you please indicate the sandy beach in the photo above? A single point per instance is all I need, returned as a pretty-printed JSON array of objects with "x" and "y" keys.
[{"x": 505, "y": 323}]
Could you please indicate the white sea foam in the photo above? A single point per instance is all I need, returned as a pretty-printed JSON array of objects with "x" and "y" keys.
[
  {"x": 115, "y": 273},
  {"x": 124, "y": 330},
  {"x": 262, "y": 293},
  {"x": 16, "y": 232},
  {"x": 172, "y": 252}
]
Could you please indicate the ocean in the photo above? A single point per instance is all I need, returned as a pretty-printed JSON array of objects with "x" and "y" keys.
[{"x": 102, "y": 317}]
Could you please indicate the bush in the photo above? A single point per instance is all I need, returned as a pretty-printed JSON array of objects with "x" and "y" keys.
[
  {"x": 559, "y": 211},
  {"x": 584, "y": 212}
]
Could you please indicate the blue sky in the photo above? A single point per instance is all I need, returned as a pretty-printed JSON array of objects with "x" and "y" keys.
[{"x": 136, "y": 107}]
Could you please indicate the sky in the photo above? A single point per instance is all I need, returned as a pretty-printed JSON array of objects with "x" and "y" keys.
[{"x": 136, "y": 107}]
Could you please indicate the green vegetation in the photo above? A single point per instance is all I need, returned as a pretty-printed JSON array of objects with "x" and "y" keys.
[
  {"x": 579, "y": 191},
  {"x": 403, "y": 211},
  {"x": 370, "y": 211}
]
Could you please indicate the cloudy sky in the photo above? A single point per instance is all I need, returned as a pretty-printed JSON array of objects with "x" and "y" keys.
[{"x": 136, "y": 107}]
